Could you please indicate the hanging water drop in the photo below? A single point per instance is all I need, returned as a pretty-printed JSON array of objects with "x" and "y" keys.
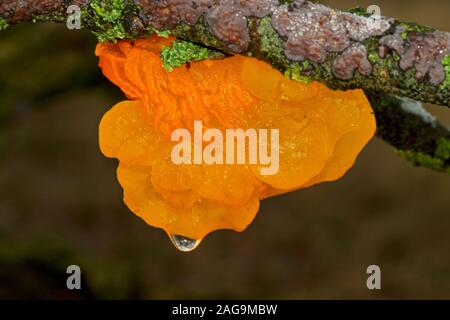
[{"x": 184, "y": 244}]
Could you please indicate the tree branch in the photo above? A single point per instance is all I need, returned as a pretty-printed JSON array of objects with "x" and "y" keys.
[
  {"x": 304, "y": 40},
  {"x": 415, "y": 133}
]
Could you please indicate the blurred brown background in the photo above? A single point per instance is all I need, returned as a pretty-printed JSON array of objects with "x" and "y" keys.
[{"x": 60, "y": 202}]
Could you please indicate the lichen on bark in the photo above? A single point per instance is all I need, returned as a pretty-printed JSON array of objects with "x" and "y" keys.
[{"x": 424, "y": 51}]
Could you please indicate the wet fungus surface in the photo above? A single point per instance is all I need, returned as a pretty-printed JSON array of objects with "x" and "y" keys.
[{"x": 321, "y": 132}]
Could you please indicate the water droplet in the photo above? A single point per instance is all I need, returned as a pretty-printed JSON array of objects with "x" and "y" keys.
[{"x": 184, "y": 244}]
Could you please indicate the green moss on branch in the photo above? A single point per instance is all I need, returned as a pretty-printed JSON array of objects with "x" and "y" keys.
[
  {"x": 416, "y": 135},
  {"x": 108, "y": 19},
  {"x": 446, "y": 64},
  {"x": 3, "y": 24},
  {"x": 183, "y": 52},
  {"x": 52, "y": 17}
]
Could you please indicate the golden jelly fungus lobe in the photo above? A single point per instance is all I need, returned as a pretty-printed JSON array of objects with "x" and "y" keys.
[{"x": 321, "y": 132}]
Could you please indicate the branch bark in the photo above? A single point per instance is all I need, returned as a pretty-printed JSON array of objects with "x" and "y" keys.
[
  {"x": 415, "y": 133},
  {"x": 304, "y": 40}
]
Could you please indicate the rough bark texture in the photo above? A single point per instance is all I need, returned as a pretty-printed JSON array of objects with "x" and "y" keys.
[
  {"x": 304, "y": 40},
  {"x": 415, "y": 133}
]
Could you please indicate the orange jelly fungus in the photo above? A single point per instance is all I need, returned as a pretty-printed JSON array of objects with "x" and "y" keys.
[{"x": 321, "y": 133}]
